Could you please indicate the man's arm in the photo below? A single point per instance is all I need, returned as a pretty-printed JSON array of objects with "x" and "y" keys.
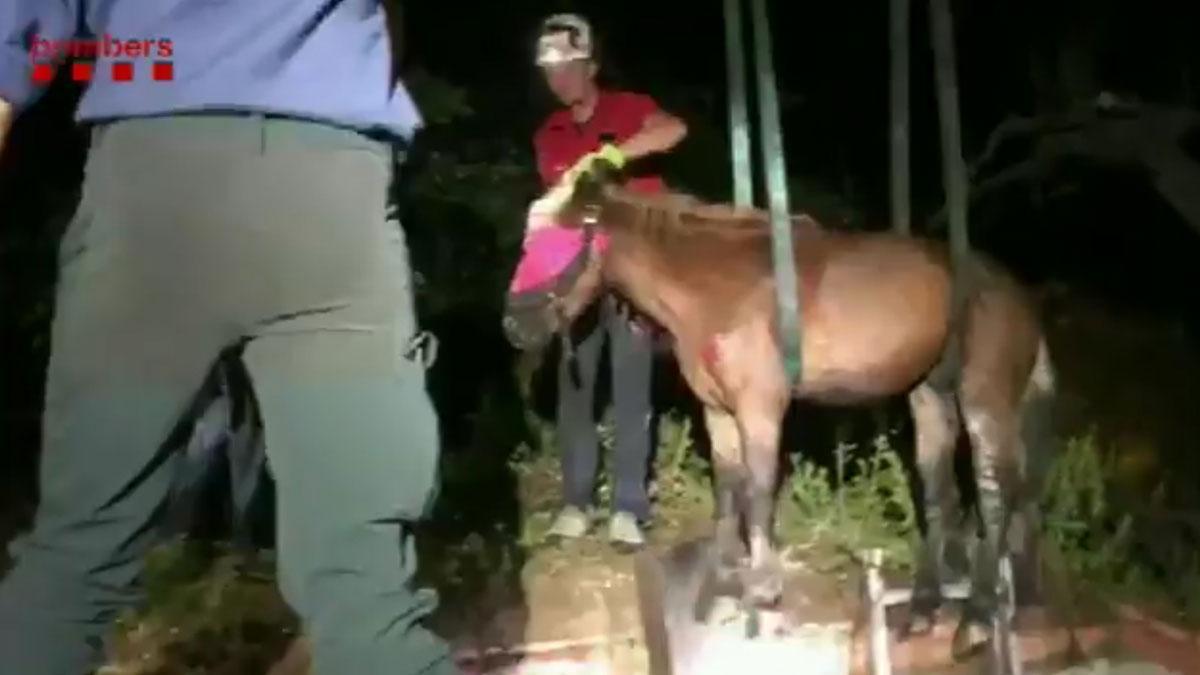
[
  {"x": 30, "y": 32},
  {"x": 661, "y": 131},
  {"x": 393, "y": 14},
  {"x": 541, "y": 159},
  {"x": 6, "y": 119}
]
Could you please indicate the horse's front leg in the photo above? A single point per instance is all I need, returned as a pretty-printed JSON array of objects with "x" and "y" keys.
[
  {"x": 760, "y": 423},
  {"x": 731, "y": 478},
  {"x": 935, "y": 418}
]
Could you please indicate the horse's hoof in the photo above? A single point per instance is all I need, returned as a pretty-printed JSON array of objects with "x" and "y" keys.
[
  {"x": 764, "y": 586},
  {"x": 970, "y": 639},
  {"x": 920, "y": 621},
  {"x": 624, "y": 549},
  {"x": 726, "y": 575},
  {"x": 719, "y": 581}
]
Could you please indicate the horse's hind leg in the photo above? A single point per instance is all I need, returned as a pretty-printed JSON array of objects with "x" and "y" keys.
[
  {"x": 1037, "y": 452},
  {"x": 731, "y": 479},
  {"x": 935, "y": 418},
  {"x": 995, "y": 445}
]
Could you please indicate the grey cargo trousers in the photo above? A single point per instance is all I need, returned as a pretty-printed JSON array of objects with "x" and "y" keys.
[{"x": 195, "y": 234}]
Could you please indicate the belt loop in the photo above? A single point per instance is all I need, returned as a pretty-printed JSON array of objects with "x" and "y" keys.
[
  {"x": 261, "y": 125},
  {"x": 96, "y": 134},
  {"x": 422, "y": 349}
]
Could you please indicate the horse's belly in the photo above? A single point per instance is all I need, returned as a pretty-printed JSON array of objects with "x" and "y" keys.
[{"x": 865, "y": 347}]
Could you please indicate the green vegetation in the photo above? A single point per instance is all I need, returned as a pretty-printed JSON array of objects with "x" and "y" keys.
[
  {"x": 208, "y": 609},
  {"x": 1121, "y": 546},
  {"x": 873, "y": 509}
]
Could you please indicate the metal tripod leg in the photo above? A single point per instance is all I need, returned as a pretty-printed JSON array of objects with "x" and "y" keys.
[{"x": 879, "y": 598}]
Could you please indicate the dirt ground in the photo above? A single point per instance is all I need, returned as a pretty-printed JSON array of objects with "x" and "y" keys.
[{"x": 582, "y": 617}]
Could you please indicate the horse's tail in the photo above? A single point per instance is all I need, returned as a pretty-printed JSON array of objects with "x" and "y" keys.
[
  {"x": 1040, "y": 447},
  {"x": 1037, "y": 419}
]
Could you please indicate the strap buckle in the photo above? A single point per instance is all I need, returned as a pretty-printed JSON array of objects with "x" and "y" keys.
[{"x": 422, "y": 348}]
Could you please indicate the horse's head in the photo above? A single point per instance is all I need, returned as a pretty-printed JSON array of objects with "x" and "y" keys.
[{"x": 560, "y": 271}]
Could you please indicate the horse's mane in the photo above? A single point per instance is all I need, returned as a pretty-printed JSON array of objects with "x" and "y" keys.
[{"x": 681, "y": 214}]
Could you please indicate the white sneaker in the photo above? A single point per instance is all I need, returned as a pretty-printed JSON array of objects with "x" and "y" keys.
[
  {"x": 571, "y": 523},
  {"x": 624, "y": 531}
]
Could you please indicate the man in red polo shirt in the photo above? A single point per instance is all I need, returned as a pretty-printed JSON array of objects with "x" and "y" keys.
[{"x": 621, "y": 126}]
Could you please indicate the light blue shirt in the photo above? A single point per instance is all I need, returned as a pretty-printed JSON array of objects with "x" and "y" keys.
[{"x": 325, "y": 60}]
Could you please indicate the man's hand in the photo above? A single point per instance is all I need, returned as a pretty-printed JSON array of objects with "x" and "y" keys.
[
  {"x": 607, "y": 152},
  {"x": 6, "y": 121},
  {"x": 659, "y": 133},
  {"x": 611, "y": 154}
]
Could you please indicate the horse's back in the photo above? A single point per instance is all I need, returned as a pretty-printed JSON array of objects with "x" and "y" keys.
[{"x": 877, "y": 311}]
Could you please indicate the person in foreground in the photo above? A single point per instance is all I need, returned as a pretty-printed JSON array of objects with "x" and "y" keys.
[
  {"x": 241, "y": 205},
  {"x": 620, "y": 126}
]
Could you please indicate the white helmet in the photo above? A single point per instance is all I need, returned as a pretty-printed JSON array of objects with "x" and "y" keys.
[{"x": 563, "y": 38}]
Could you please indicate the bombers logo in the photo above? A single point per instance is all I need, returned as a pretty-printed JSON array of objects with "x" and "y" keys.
[{"x": 127, "y": 58}]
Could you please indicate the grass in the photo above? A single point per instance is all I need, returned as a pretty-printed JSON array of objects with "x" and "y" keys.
[
  {"x": 1112, "y": 548},
  {"x": 211, "y": 611},
  {"x": 873, "y": 509},
  {"x": 682, "y": 484},
  {"x": 216, "y": 611}
]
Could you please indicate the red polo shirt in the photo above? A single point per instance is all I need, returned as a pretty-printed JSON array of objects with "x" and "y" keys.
[{"x": 560, "y": 142}]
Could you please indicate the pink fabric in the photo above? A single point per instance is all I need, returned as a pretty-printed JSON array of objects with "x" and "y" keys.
[{"x": 548, "y": 250}]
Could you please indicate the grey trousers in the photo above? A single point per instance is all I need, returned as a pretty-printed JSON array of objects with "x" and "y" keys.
[
  {"x": 631, "y": 355},
  {"x": 195, "y": 234}
]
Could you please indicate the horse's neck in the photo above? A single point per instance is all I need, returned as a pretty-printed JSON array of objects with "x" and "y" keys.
[
  {"x": 638, "y": 274},
  {"x": 684, "y": 298}
]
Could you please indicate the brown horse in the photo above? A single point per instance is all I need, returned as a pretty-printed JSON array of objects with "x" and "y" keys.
[{"x": 876, "y": 321}]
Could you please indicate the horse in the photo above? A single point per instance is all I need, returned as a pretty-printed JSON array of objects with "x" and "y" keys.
[{"x": 877, "y": 319}]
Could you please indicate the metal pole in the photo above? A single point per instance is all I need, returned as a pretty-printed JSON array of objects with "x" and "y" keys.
[
  {"x": 652, "y": 598},
  {"x": 1003, "y": 635},
  {"x": 954, "y": 169},
  {"x": 783, "y": 256},
  {"x": 901, "y": 190},
  {"x": 881, "y": 660},
  {"x": 739, "y": 125}
]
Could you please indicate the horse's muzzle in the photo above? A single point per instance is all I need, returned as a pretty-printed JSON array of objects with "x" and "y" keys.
[
  {"x": 526, "y": 322},
  {"x": 513, "y": 332},
  {"x": 521, "y": 335}
]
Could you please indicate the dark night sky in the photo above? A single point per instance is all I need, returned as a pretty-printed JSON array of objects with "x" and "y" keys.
[{"x": 832, "y": 63}]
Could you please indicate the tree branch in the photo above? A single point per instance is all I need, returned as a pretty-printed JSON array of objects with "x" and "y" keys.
[{"x": 1108, "y": 132}]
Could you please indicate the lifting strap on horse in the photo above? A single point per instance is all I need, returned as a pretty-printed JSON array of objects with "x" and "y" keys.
[
  {"x": 771, "y": 137},
  {"x": 955, "y": 184}
]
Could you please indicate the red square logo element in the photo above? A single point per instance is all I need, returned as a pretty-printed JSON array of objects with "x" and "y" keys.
[
  {"x": 163, "y": 70},
  {"x": 122, "y": 71},
  {"x": 81, "y": 71},
  {"x": 43, "y": 73}
]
